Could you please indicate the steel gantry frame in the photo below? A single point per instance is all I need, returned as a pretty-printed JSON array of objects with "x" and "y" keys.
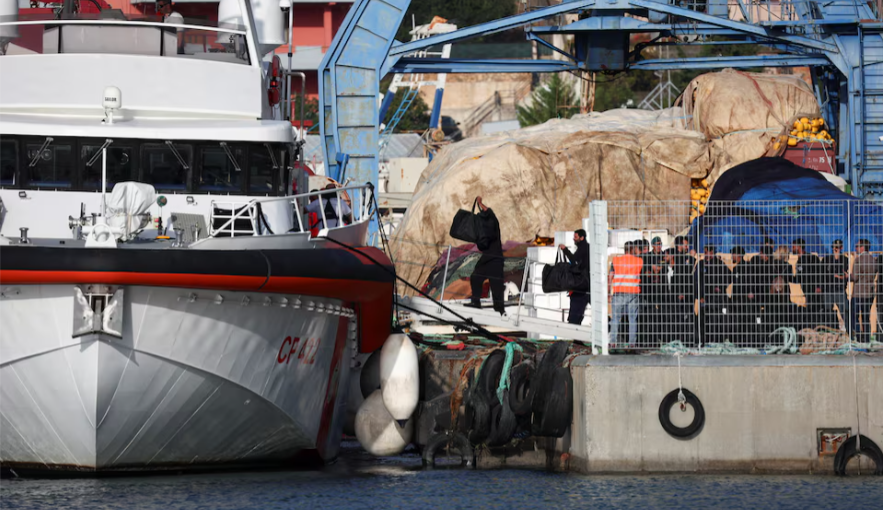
[{"x": 841, "y": 42}]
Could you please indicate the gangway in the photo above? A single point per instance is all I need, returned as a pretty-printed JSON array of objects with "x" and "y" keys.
[{"x": 514, "y": 321}]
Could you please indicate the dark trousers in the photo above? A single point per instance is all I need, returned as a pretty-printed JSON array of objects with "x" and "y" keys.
[
  {"x": 578, "y": 303},
  {"x": 679, "y": 319},
  {"x": 815, "y": 309},
  {"x": 742, "y": 314},
  {"x": 489, "y": 267},
  {"x": 711, "y": 317},
  {"x": 861, "y": 308}
]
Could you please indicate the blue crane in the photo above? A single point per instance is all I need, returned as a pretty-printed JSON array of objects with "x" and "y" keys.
[{"x": 840, "y": 40}]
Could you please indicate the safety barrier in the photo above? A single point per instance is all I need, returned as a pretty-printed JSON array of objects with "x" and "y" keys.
[
  {"x": 749, "y": 277},
  {"x": 716, "y": 277}
]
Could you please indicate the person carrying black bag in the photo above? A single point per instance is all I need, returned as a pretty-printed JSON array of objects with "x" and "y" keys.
[
  {"x": 490, "y": 265},
  {"x": 579, "y": 297}
]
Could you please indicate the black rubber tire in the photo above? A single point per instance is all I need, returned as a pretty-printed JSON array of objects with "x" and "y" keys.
[
  {"x": 489, "y": 377},
  {"x": 848, "y": 450},
  {"x": 557, "y": 413},
  {"x": 691, "y": 430},
  {"x": 541, "y": 382},
  {"x": 503, "y": 423},
  {"x": 519, "y": 388},
  {"x": 454, "y": 441},
  {"x": 479, "y": 417}
]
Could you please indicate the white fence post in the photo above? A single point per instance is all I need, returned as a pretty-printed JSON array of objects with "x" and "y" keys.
[
  {"x": 441, "y": 298},
  {"x": 598, "y": 239}
]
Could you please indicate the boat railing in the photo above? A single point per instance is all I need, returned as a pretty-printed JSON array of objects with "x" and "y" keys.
[
  {"x": 357, "y": 198},
  {"x": 144, "y": 37}
]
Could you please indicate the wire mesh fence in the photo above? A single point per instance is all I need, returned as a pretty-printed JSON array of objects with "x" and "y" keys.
[
  {"x": 702, "y": 276},
  {"x": 757, "y": 276}
]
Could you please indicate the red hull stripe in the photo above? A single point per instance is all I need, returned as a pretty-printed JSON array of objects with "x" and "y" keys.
[{"x": 374, "y": 298}]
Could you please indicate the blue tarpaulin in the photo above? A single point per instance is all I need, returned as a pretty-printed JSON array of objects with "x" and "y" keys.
[{"x": 774, "y": 198}]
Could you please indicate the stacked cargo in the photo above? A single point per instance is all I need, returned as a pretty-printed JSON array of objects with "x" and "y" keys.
[
  {"x": 699, "y": 193},
  {"x": 808, "y": 144}
]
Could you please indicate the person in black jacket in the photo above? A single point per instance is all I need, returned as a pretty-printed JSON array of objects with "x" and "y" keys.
[
  {"x": 769, "y": 278},
  {"x": 490, "y": 265},
  {"x": 579, "y": 297},
  {"x": 743, "y": 311},
  {"x": 652, "y": 316},
  {"x": 712, "y": 279},
  {"x": 682, "y": 297},
  {"x": 835, "y": 269},
  {"x": 809, "y": 277}
]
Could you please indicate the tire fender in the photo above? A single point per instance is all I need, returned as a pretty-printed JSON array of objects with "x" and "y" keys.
[{"x": 691, "y": 430}]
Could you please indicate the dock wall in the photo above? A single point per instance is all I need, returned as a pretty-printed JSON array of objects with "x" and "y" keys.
[{"x": 762, "y": 413}]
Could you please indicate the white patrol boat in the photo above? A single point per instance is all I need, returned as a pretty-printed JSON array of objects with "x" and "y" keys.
[{"x": 163, "y": 303}]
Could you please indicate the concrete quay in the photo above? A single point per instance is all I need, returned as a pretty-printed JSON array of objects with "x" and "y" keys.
[{"x": 762, "y": 413}]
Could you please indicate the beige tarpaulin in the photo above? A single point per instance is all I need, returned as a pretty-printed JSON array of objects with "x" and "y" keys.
[
  {"x": 741, "y": 113},
  {"x": 541, "y": 179}
]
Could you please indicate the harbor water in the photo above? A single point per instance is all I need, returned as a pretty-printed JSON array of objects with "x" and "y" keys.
[{"x": 359, "y": 482}]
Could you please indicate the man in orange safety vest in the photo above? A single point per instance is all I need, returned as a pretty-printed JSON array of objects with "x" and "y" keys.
[{"x": 624, "y": 282}]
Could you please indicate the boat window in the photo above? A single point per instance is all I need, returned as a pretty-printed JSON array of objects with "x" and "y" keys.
[
  {"x": 218, "y": 171},
  {"x": 119, "y": 165},
  {"x": 51, "y": 165},
  {"x": 166, "y": 166},
  {"x": 262, "y": 166},
  {"x": 8, "y": 162},
  {"x": 108, "y": 34}
]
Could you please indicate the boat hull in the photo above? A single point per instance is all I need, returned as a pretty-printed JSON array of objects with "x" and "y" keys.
[{"x": 197, "y": 379}]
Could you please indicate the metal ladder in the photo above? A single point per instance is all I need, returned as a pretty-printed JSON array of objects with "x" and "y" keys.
[{"x": 410, "y": 95}]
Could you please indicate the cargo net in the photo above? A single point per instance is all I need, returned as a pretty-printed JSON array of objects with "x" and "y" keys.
[{"x": 745, "y": 277}]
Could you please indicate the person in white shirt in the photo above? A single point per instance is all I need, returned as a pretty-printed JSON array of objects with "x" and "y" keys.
[
  {"x": 169, "y": 16},
  {"x": 335, "y": 210},
  {"x": 164, "y": 7}
]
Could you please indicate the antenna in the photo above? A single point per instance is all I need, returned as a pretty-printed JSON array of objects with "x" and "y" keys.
[{"x": 113, "y": 100}]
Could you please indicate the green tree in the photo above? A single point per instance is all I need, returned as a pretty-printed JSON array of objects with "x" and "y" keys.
[
  {"x": 552, "y": 100},
  {"x": 311, "y": 112}
]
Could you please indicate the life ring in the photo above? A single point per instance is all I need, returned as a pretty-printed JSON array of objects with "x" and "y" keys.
[
  {"x": 694, "y": 427},
  {"x": 452, "y": 441},
  {"x": 503, "y": 423},
  {"x": 519, "y": 388},
  {"x": 849, "y": 449},
  {"x": 554, "y": 418}
]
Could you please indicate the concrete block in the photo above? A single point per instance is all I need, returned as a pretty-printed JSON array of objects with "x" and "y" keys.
[{"x": 762, "y": 412}]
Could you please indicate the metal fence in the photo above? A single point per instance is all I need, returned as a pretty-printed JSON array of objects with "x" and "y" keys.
[
  {"x": 715, "y": 277},
  {"x": 795, "y": 276}
]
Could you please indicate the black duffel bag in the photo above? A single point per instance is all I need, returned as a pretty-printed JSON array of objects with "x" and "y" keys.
[
  {"x": 563, "y": 276},
  {"x": 465, "y": 226}
]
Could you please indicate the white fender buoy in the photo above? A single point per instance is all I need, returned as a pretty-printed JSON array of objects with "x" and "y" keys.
[
  {"x": 377, "y": 431},
  {"x": 369, "y": 379},
  {"x": 399, "y": 376}
]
